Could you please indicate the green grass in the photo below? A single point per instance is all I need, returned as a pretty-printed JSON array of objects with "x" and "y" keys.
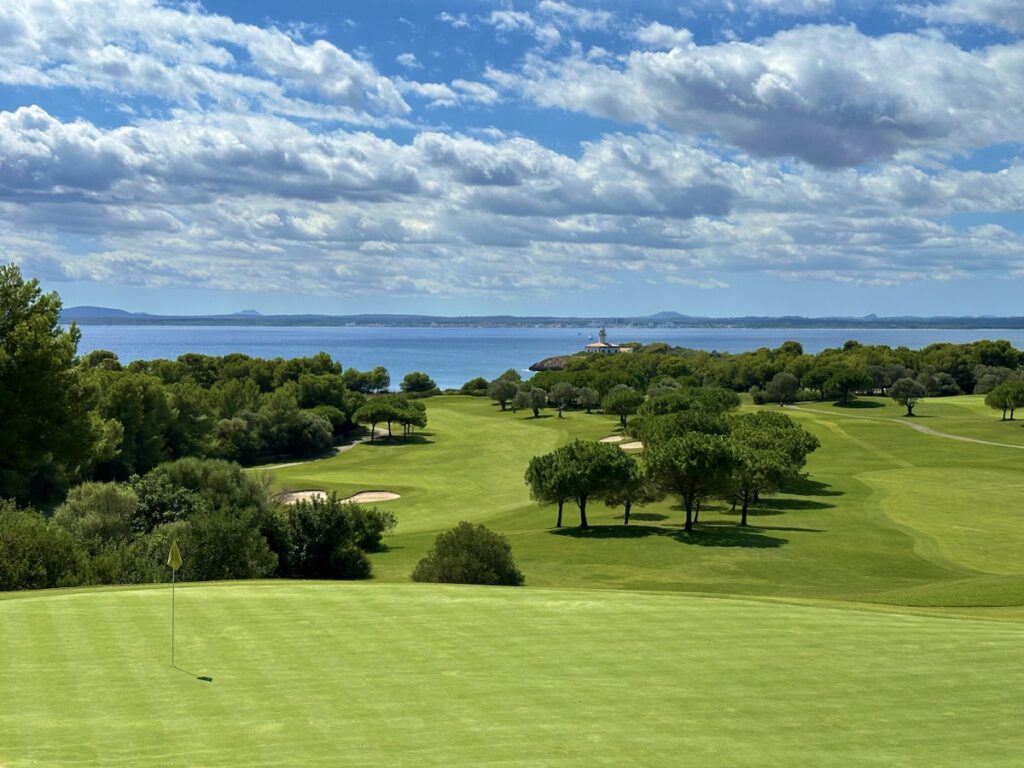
[
  {"x": 313, "y": 674},
  {"x": 873, "y": 616},
  {"x": 888, "y": 514}
]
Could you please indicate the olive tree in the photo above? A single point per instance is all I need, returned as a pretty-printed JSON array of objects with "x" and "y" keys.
[{"x": 907, "y": 392}]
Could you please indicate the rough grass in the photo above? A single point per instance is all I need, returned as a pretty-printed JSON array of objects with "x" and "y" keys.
[{"x": 314, "y": 674}]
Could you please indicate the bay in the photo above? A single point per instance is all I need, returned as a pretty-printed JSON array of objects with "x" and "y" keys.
[{"x": 451, "y": 356}]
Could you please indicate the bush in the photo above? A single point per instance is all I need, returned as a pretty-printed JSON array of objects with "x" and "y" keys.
[
  {"x": 328, "y": 538},
  {"x": 476, "y": 387},
  {"x": 469, "y": 554},
  {"x": 35, "y": 554}
]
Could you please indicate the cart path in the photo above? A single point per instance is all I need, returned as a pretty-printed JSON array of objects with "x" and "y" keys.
[{"x": 917, "y": 427}]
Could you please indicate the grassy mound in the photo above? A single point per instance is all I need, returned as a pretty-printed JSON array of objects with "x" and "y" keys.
[{"x": 422, "y": 675}]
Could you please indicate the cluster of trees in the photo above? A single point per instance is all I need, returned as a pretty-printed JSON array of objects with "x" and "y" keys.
[
  {"x": 696, "y": 448},
  {"x": 68, "y": 418},
  {"x": 224, "y": 520},
  {"x": 787, "y": 373}
]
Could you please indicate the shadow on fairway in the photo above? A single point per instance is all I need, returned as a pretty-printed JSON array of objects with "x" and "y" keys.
[
  {"x": 807, "y": 487},
  {"x": 780, "y": 506},
  {"x": 397, "y": 439},
  {"x": 645, "y": 516},
  {"x": 855, "y": 404},
  {"x": 204, "y": 678},
  {"x": 712, "y": 534},
  {"x": 611, "y": 532},
  {"x": 715, "y": 534}
]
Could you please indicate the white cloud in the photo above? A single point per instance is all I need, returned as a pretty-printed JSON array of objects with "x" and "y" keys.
[
  {"x": 184, "y": 56},
  {"x": 658, "y": 35},
  {"x": 458, "y": 20},
  {"x": 795, "y": 7},
  {"x": 408, "y": 60},
  {"x": 575, "y": 17},
  {"x": 828, "y": 95},
  {"x": 1007, "y": 14}
]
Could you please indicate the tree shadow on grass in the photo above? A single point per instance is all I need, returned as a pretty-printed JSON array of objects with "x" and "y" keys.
[
  {"x": 807, "y": 487},
  {"x": 417, "y": 438},
  {"x": 645, "y": 516},
  {"x": 714, "y": 534},
  {"x": 611, "y": 532},
  {"x": 779, "y": 506}
]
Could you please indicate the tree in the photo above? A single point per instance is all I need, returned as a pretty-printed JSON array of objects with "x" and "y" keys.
[
  {"x": 469, "y": 554},
  {"x": 634, "y": 489},
  {"x": 417, "y": 381},
  {"x": 622, "y": 401},
  {"x": 140, "y": 404},
  {"x": 589, "y": 398},
  {"x": 522, "y": 400},
  {"x": 98, "y": 513},
  {"x": 1008, "y": 396},
  {"x": 770, "y": 449},
  {"x": 692, "y": 466},
  {"x": 538, "y": 399},
  {"x": 412, "y": 414},
  {"x": 475, "y": 387},
  {"x": 586, "y": 470},
  {"x": 502, "y": 391},
  {"x": 47, "y": 435},
  {"x": 547, "y": 483},
  {"x": 374, "y": 411},
  {"x": 845, "y": 379},
  {"x": 562, "y": 395},
  {"x": 782, "y": 388},
  {"x": 907, "y": 392}
]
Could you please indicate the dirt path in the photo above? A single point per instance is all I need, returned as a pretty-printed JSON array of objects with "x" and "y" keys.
[{"x": 911, "y": 425}]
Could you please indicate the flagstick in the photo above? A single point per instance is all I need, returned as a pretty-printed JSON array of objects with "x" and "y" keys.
[{"x": 173, "y": 574}]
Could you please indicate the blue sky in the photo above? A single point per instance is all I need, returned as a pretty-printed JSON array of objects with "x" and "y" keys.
[{"x": 813, "y": 157}]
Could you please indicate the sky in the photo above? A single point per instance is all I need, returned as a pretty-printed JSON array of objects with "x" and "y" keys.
[{"x": 767, "y": 157}]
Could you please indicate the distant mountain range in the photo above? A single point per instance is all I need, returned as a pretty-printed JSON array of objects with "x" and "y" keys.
[{"x": 88, "y": 315}]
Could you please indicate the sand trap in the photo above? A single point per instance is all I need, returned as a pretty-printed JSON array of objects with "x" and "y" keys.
[
  {"x": 297, "y": 496},
  {"x": 612, "y": 439},
  {"x": 368, "y": 497},
  {"x": 363, "y": 497},
  {"x": 631, "y": 446}
]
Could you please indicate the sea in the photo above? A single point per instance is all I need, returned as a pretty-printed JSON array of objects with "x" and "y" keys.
[{"x": 452, "y": 356}]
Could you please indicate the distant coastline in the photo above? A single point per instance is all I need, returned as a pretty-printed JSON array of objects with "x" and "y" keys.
[{"x": 249, "y": 318}]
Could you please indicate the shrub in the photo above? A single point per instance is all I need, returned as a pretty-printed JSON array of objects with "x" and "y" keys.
[
  {"x": 328, "y": 538},
  {"x": 476, "y": 387},
  {"x": 35, "y": 554},
  {"x": 469, "y": 554}
]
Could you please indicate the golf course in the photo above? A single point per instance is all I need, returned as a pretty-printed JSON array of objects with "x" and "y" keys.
[{"x": 873, "y": 614}]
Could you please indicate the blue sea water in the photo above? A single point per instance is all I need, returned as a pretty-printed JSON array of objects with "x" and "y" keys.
[{"x": 453, "y": 355}]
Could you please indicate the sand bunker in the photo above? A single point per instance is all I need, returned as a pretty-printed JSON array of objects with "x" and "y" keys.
[
  {"x": 636, "y": 444},
  {"x": 612, "y": 439},
  {"x": 368, "y": 497},
  {"x": 297, "y": 496},
  {"x": 363, "y": 497}
]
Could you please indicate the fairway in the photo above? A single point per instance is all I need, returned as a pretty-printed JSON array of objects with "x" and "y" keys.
[
  {"x": 421, "y": 675},
  {"x": 888, "y": 514}
]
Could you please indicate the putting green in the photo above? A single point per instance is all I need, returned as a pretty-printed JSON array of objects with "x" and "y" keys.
[{"x": 308, "y": 674}]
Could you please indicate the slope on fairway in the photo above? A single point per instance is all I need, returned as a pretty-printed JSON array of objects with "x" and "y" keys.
[
  {"x": 314, "y": 674},
  {"x": 888, "y": 514}
]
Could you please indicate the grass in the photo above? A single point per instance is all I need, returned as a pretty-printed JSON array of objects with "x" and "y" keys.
[
  {"x": 313, "y": 674},
  {"x": 873, "y": 616},
  {"x": 887, "y": 515}
]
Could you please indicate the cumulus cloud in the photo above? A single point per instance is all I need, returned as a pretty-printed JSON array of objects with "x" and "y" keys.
[
  {"x": 1007, "y": 14},
  {"x": 185, "y": 57},
  {"x": 828, "y": 95},
  {"x": 658, "y": 35}
]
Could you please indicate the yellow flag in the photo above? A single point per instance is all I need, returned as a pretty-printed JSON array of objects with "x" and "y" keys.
[{"x": 174, "y": 558}]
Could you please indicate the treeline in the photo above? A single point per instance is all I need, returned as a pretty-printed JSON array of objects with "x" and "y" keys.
[
  {"x": 787, "y": 371},
  {"x": 224, "y": 520},
  {"x": 67, "y": 419},
  {"x": 697, "y": 448}
]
